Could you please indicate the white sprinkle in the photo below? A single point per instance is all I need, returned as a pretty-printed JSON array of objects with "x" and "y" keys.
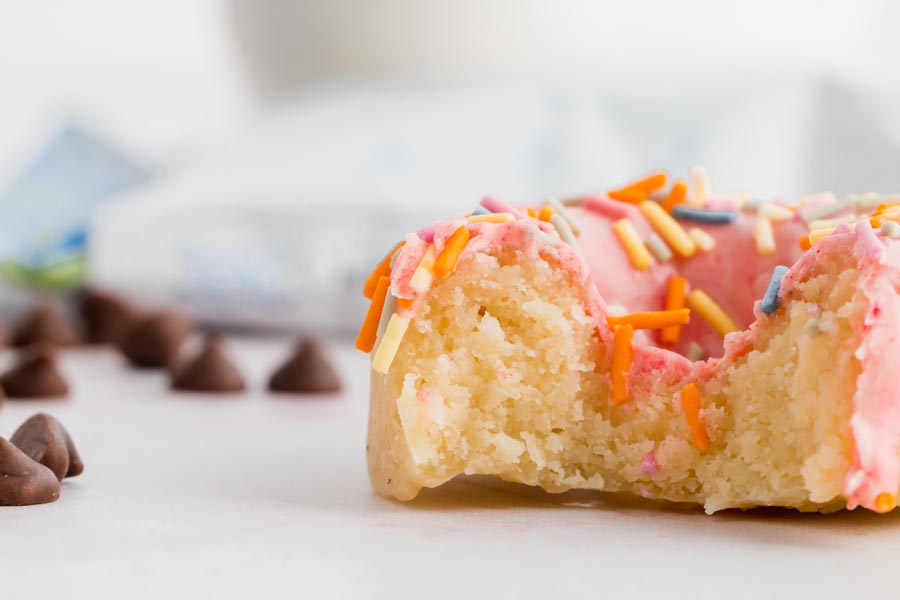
[
  {"x": 390, "y": 307},
  {"x": 572, "y": 201},
  {"x": 424, "y": 274},
  {"x": 701, "y": 185},
  {"x": 616, "y": 310},
  {"x": 890, "y": 229},
  {"x": 557, "y": 206},
  {"x": 870, "y": 200},
  {"x": 823, "y": 212},
  {"x": 564, "y": 231},
  {"x": 658, "y": 247},
  {"x": 752, "y": 204},
  {"x": 776, "y": 213},
  {"x": 765, "y": 237},
  {"x": 703, "y": 240},
  {"x": 827, "y": 223}
]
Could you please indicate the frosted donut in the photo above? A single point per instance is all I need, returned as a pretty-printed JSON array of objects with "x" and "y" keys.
[{"x": 547, "y": 345}]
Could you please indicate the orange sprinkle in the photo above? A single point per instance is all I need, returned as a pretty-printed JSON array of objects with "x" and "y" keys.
[
  {"x": 628, "y": 195},
  {"x": 531, "y": 212},
  {"x": 383, "y": 269},
  {"x": 674, "y": 300},
  {"x": 885, "y": 502},
  {"x": 676, "y": 196},
  {"x": 690, "y": 404},
  {"x": 653, "y": 319},
  {"x": 365, "y": 341},
  {"x": 621, "y": 362},
  {"x": 546, "y": 213},
  {"x": 446, "y": 260},
  {"x": 405, "y": 303},
  {"x": 875, "y": 222},
  {"x": 648, "y": 184},
  {"x": 804, "y": 243}
]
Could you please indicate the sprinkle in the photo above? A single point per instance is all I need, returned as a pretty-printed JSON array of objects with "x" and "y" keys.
[
  {"x": 885, "y": 502},
  {"x": 365, "y": 341},
  {"x": 390, "y": 343},
  {"x": 629, "y": 196},
  {"x": 812, "y": 327},
  {"x": 690, "y": 404},
  {"x": 446, "y": 260},
  {"x": 503, "y": 217},
  {"x": 776, "y": 212},
  {"x": 424, "y": 273},
  {"x": 866, "y": 201},
  {"x": 658, "y": 247},
  {"x": 695, "y": 352},
  {"x": 382, "y": 270},
  {"x": 826, "y": 223},
  {"x": 700, "y": 215},
  {"x": 712, "y": 312},
  {"x": 674, "y": 301},
  {"x": 805, "y": 244},
  {"x": 390, "y": 307},
  {"x": 668, "y": 228},
  {"x": 817, "y": 234},
  {"x": 480, "y": 210},
  {"x": 765, "y": 236},
  {"x": 648, "y": 184},
  {"x": 824, "y": 211},
  {"x": 701, "y": 183},
  {"x": 499, "y": 206},
  {"x": 770, "y": 302},
  {"x": 604, "y": 206},
  {"x": 676, "y": 196},
  {"x": 531, "y": 212},
  {"x": 704, "y": 241},
  {"x": 572, "y": 201},
  {"x": 557, "y": 206},
  {"x": 545, "y": 213},
  {"x": 653, "y": 319},
  {"x": 405, "y": 303},
  {"x": 621, "y": 362},
  {"x": 890, "y": 229},
  {"x": 562, "y": 228},
  {"x": 752, "y": 204},
  {"x": 637, "y": 252}
]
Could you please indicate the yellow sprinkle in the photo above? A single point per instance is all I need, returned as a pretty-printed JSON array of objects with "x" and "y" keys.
[
  {"x": 424, "y": 273},
  {"x": 707, "y": 308},
  {"x": 704, "y": 241},
  {"x": 668, "y": 228},
  {"x": 390, "y": 343},
  {"x": 701, "y": 185},
  {"x": 491, "y": 218},
  {"x": 776, "y": 213},
  {"x": 635, "y": 248},
  {"x": 831, "y": 223},
  {"x": 817, "y": 234},
  {"x": 765, "y": 237}
]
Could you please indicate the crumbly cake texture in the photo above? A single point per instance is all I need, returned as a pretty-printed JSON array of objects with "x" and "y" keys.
[{"x": 506, "y": 369}]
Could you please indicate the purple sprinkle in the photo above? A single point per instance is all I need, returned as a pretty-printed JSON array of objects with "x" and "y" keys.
[{"x": 499, "y": 206}]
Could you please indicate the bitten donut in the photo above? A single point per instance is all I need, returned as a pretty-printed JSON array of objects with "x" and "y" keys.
[{"x": 656, "y": 339}]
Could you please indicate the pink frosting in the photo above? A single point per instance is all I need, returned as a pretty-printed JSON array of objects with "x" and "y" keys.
[{"x": 735, "y": 276}]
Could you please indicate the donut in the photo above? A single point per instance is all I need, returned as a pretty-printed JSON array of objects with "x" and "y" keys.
[{"x": 656, "y": 339}]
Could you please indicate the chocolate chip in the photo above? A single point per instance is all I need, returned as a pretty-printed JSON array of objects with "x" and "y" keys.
[
  {"x": 209, "y": 371},
  {"x": 46, "y": 441},
  {"x": 154, "y": 341},
  {"x": 107, "y": 317},
  {"x": 24, "y": 481},
  {"x": 45, "y": 323},
  {"x": 35, "y": 375},
  {"x": 306, "y": 371}
]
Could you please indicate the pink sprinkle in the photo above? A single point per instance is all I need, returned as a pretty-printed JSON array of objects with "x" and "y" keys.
[
  {"x": 426, "y": 234},
  {"x": 424, "y": 395},
  {"x": 499, "y": 206},
  {"x": 729, "y": 205},
  {"x": 868, "y": 242},
  {"x": 649, "y": 466},
  {"x": 604, "y": 206}
]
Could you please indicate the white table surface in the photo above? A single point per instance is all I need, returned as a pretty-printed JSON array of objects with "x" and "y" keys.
[{"x": 262, "y": 496}]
